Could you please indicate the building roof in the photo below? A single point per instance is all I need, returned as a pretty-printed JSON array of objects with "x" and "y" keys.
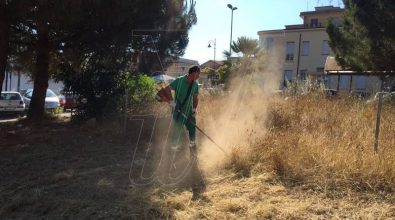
[
  {"x": 295, "y": 26},
  {"x": 305, "y": 26},
  {"x": 331, "y": 65},
  {"x": 281, "y": 31},
  {"x": 209, "y": 62},
  {"x": 183, "y": 60},
  {"x": 321, "y": 10}
]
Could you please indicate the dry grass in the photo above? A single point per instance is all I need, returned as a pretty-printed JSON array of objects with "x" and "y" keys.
[
  {"x": 316, "y": 161},
  {"x": 262, "y": 197},
  {"x": 329, "y": 143}
]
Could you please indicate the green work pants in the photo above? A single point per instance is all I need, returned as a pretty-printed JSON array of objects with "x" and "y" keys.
[{"x": 177, "y": 129}]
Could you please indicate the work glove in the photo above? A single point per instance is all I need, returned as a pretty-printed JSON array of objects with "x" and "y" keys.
[{"x": 172, "y": 105}]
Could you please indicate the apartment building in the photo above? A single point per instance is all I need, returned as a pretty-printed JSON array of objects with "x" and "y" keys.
[
  {"x": 302, "y": 49},
  {"x": 180, "y": 67}
]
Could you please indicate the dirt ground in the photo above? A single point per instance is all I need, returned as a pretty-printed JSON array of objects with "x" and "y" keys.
[{"x": 61, "y": 170}]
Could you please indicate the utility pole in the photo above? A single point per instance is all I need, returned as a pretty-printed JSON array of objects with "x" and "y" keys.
[
  {"x": 231, "y": 27},
  {"x": 215, "y": 46}
]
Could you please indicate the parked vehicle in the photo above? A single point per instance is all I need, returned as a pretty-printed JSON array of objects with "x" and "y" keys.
[
  {"x": 62, "y": 100},
  {"x": 68, "y": 100},
  {"x": 12, "y": 103},
  {"x": 51, "y": 99}
]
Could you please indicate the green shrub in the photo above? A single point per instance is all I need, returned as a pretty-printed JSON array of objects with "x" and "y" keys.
[{"x": 140, "y": 91}]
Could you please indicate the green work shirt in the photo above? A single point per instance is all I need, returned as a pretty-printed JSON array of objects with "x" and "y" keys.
[{"x": 181, "y": 85}]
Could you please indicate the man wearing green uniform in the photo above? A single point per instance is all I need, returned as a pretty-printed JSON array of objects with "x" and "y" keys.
[
  {"x": 184, "y": 108},
  {"x": 185, "y": 103}
]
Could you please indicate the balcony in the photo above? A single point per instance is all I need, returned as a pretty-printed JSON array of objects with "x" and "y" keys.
[{"x": 289, "y": 57}]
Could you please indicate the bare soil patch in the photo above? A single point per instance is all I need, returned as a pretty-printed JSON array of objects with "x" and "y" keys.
[{"x": 59, "y": 170}]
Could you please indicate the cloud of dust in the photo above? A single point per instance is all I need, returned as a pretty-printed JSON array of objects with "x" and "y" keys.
[
  {"x": 237, "y": 118},
  {"x": 234, "y": 119}
]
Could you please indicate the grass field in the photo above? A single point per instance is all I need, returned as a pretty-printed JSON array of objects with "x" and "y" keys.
[
  {"x": 304, "y": 157},
  {"x": 315, "y": 161}
]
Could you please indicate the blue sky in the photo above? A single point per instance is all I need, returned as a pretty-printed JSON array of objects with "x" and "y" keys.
[{"x": 251, "y": 16}]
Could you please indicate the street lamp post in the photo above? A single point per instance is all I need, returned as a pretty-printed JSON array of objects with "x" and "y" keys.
[
  {"x": 231, "y": 27},
  {"x": 214, "y": 42},
  {"x": 211, "y": 75}
]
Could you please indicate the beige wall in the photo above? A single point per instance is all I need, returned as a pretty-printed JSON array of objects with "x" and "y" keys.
[
  {"x": 311, "y": 62},
  {"x": 180, "y": 68},
  {"x": 177, "y": 69},
  {"x": 297, "y": 34},
  {"x": 315, "y": 58}
]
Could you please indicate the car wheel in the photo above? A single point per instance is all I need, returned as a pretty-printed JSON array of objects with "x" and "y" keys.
[{"x": 21, "y": 114}]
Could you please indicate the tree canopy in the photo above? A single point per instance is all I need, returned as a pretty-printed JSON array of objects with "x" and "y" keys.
[
  {"x": 94, "y": 40},
  {"x": 366, "y": 38}
]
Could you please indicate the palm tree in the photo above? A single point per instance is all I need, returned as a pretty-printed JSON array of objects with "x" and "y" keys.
[
  {"x": 226, "y": 53},
  {"x": 247, "y": 46}
]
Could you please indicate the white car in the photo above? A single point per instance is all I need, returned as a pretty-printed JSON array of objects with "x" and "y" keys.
[
  {"x": 11, "y": 103},
  {"x": 51, "y": 100}
]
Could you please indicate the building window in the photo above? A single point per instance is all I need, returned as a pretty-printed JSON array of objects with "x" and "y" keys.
[
  {"x": 290, "y": 51},
  {"x": 269, "y": 43},
  {"x": 287, "y": 77},
  {"x": 325, "y": 47},
  {"x": 314, "y": 23},
  {"x": 345, "y": 81},
  {"x": 213, "y": 77},
  {"x": 305, "y": 48},
  {"x": 303, "y": 75},
  {"x": 361, "y": 82}
]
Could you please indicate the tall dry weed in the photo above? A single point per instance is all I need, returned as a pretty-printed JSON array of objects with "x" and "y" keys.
[
  {"x": 305, "y": 138},
  {"x": 329, "y": 144}
]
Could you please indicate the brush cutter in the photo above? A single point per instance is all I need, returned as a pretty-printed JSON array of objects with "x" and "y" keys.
[
  {"x": 201, "y": 131},
  {"x": 164, "y": 95}
]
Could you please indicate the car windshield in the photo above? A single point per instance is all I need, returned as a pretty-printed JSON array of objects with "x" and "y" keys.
[
  {"x": 28, "y": 94},
  {"x": 50, "y": 93},
  {"x": 9, "y": 96}
]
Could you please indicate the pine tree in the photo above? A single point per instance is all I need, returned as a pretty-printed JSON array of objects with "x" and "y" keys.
[
  {"x": 11, "y": 12},
  {"x": 366, "y": 38},
  {"x": 58, "y": 35}
]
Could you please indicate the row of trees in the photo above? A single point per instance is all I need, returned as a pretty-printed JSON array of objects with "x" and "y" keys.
[{"x": 88, "y": 44}]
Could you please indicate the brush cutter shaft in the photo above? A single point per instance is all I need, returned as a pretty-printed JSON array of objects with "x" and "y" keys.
[{"x": 199, "y": 129}]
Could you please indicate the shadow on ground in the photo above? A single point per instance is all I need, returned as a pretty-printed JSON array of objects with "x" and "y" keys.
[{"x": 59, "y": 170}]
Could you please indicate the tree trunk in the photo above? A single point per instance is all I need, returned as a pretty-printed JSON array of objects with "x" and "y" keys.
[
  {"x": 4, "y": 40},
  {"x": 41, "y": 76}
]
